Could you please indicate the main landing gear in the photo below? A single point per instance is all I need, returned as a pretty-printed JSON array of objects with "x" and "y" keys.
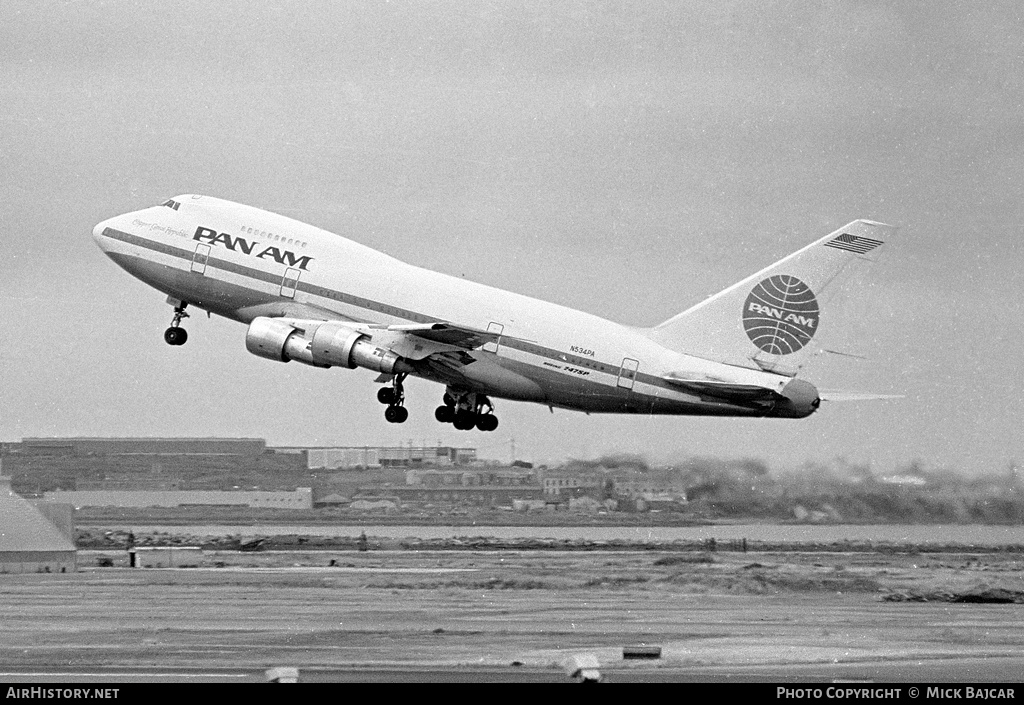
[
  {"x": 176, "y": 335},
  {"x": 466, "y": 411},
  {"x": 463, "y": 410},
  {"x": 394, "y": 397}
]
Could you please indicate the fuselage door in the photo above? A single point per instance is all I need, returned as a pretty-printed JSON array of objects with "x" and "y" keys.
[
  {"x": 289, "y": 282},
  {"x": 627, "y": 373},
  {"x": 200, "y": 258},
  {"x": 493, "y": 327}
]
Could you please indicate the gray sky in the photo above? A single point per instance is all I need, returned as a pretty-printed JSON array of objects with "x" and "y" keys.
[{"x": 627, "y": 159}]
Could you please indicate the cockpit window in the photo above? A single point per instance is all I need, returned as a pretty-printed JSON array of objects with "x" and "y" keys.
[{"x": 171, "y": 203}]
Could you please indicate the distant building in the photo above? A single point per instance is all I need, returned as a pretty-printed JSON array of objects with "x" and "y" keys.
[
  {"x": 481, "y": 496},
  {"x": 488, "y": 487},
  {"x": 370, "y": 457},
  {"x": 652, "y": 489},
  {"x": 529, "y": 505},
  {"x": 301, "y": 498},
  {"x": 601, "y": 483},
  {"x": 29, "y": 542},
  {"x": 471, "y": 477},
  {"x": 60, "y": 514},
  {"x": 585, "y": 504},
  {"x": 86, "y": 447},
  {"x": 570, "y": 482},
  {"x": 38, "y": 465},
  {"x": 117, "y": 465},
  {"x": 348, "y": 458}
]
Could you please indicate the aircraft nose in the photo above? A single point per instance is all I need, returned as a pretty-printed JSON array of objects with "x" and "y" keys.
[{"x": 97, "y": 232}]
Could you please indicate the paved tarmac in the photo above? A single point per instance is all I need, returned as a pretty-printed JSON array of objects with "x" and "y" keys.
[
  {"x": 993, "y": 670},
  {"x": 514, "y": 617}
]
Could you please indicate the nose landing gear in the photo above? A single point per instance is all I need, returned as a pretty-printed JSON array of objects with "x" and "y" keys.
[
  {"x": 466, "y": 411},
  {"x": 394, "y": 397},
  {"x": 176, "y": 335}
]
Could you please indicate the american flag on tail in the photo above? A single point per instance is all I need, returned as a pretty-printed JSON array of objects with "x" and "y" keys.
[{"x": 854, "y": 243}]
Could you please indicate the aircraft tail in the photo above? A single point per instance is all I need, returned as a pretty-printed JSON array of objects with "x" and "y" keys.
[{"x": 767, "y": 320}]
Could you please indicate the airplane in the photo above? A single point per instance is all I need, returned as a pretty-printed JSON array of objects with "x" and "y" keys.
[{"x": 320, "y": 299}]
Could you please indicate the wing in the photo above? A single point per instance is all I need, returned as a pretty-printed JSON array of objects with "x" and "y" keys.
[
  {"x": 440, "y": 340},
  {"x": 417, "y": 341},
  {"x": 446, "y": 333}
]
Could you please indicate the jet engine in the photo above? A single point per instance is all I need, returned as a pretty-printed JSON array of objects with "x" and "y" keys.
[{"x": 319, "y": 343}]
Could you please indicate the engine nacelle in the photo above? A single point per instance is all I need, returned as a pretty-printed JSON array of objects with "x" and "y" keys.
[
  {"x": 275, "y": 340},
  {"x": 327, "y": 344},
  {"x": 333, "y": 344}
]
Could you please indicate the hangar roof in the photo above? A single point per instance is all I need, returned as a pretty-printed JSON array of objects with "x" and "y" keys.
[{"x": 23, "y": 528}]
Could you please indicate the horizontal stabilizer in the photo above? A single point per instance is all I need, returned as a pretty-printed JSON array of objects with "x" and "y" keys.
[
  {"x": 794, "y": 398},
  {"x": 856, "y": 396},
  {"x": 739, "y": 393}
]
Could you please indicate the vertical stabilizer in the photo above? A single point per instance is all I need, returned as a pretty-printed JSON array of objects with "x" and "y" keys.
[{"x": 767, "y": 320}]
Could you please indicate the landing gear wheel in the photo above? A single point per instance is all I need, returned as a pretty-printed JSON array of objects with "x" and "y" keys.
[
  {"x": 175, "y": 336},
  {"x": 486, "y": 422},
  {"x": 467, "y": 410},
  {"x": 464, "y": 420},
  {"x": 396, "y": 414},
  {"x": 386, "y": 395}
]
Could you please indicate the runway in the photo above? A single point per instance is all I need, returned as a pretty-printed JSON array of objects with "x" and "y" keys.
[
  {"x": 998, "y": 669},
  {"x": 514, "y": 617}
]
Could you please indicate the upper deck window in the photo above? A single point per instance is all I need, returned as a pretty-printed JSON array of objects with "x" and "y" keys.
[{"x": 171, "y": 203}]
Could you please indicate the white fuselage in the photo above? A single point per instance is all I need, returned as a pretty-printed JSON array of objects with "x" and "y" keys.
[{"x": 242, "y": 263}]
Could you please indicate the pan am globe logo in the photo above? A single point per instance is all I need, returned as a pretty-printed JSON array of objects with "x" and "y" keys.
[{"x": 781, "y": 315}]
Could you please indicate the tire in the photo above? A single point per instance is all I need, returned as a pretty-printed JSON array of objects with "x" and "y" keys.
[
  {"x": 487, "y": 422},
  {"x": 401, "y": 414},
  {"x": 444, "y": 414},
  {"x": 448, "y": 399},
  {"x": 175, "y": 336},
  {"x": 393, "y": 414},
  {"x": 386, "y": 395},
  {"x": 464, "y": 420}
]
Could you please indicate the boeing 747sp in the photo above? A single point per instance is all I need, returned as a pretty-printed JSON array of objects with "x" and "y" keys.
[{"x": 320, "y": 299}]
